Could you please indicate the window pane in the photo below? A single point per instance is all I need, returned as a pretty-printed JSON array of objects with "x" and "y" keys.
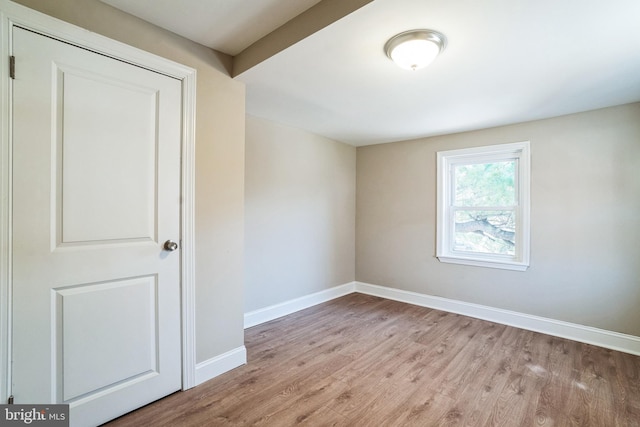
[
  {"x": 490, "y": 232},
  {"x": 485, "y": 184}
]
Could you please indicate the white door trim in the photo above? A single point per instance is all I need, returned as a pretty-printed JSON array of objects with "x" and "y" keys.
[{"x": 12, "y": 14}]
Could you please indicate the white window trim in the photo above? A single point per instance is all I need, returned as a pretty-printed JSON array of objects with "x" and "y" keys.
[{"x": 445, "y": 160}]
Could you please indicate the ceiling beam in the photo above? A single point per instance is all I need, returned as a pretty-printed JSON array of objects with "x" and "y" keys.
[{"x": 308, "y": 22}]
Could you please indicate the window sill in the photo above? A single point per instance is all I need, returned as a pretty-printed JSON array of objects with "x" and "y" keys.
[{"x": 504, "y": 265}]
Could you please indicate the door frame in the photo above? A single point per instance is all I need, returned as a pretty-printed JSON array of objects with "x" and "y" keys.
[{"x": 13, "y": 14}]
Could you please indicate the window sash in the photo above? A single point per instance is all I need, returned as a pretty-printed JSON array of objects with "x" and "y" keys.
[
  {"x": 446, "y": 249},
  {"x": 513, "y": 211}
]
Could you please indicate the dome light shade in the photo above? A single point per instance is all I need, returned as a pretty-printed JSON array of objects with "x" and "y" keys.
[{"x": 415, "y": 49}]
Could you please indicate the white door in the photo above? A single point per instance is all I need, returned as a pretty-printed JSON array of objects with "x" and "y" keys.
[{"x": 96, "y": 194}]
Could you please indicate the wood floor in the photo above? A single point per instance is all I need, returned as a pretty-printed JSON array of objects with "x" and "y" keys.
[{"x": 365, "y": 361}]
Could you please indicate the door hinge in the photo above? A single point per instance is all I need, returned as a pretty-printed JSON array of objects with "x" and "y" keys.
[
  {"x": 10, "y": 400},
  {"x": 12, "y": 67}
]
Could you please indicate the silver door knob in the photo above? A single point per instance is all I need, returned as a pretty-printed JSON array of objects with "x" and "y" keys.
[{"x": 170, "y": 246}]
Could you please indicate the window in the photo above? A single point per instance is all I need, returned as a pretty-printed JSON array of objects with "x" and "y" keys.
[{"x": 483, "y": 206}]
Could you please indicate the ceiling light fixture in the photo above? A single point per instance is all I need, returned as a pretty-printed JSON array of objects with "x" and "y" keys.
[{"x": 415, "y": 48}]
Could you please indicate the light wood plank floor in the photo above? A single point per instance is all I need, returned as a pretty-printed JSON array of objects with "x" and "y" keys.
[{"x": 365, "y": 361}]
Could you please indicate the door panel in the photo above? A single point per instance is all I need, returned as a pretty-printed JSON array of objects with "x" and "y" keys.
[
  {"x": 103, "y": 147},
  {"x": 96, "y": 192},
  {"x": 120, "y": 319}
]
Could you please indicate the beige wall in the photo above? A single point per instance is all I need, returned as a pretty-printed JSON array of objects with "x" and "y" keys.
[
  {"x": 585, "y": 243},
  {"x": 300, "y": 213},
  {"x": 219, "y": 164}
]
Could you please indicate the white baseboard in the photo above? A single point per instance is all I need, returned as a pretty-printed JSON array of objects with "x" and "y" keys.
[
  {"x": 266, "y": 314},
  {"x": 599, "y": 337},
  {"x": 220, "y": 364},
  {"x": 586, "y": 334}
]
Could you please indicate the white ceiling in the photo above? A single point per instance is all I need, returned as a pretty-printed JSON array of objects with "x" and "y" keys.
[{"x": 506, "y": 61}]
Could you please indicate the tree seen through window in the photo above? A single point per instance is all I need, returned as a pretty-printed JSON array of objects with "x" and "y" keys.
[{"x": 484, "y": 207}]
